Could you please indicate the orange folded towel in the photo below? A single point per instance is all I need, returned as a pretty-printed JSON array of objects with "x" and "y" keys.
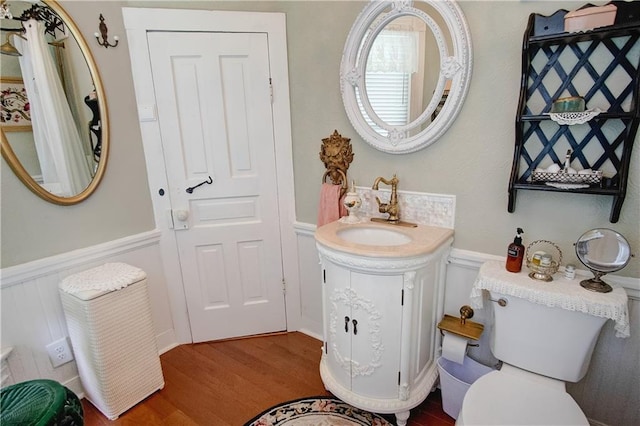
[{"x": 330, "y": 208}]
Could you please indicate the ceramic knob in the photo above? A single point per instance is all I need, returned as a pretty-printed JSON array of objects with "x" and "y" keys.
[{"x": 182, "y": 215}]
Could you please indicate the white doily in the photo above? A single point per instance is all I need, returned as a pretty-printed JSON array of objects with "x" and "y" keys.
[
  {"x": 567, "y": 185},
  {"x": 571, "y": 118},
  {"x": 108, "y": 277},
  {"x": 560, "y": 293}
]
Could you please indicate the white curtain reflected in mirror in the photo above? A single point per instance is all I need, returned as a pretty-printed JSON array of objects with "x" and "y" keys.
[
  {"x": 68, "y": 174},
  {"x": 63, "y": 162},
  {"x": 395, "y": 73}
]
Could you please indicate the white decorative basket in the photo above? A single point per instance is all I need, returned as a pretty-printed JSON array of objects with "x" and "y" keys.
[
  {"x": 592, "y": 178},
  {"x": 543, "y": 272},
  {"x": 114, "y": 344}
]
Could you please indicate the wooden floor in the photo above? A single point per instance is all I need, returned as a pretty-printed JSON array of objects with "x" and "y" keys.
[{"x": 229, "y": 382}]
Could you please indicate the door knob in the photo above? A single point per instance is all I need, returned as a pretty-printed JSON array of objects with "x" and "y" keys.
[{"x": 182, "y": 215}]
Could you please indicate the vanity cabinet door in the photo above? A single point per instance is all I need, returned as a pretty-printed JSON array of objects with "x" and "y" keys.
[
  {"x": 375, "y": 349},
  {"x": 364, "y": 330},
  {"x": 338, "y": 324}
]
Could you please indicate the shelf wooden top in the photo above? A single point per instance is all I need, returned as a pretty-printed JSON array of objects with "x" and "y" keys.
[{"x": 470, "y": 329}]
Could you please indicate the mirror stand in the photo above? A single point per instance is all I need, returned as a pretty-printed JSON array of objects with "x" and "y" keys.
[{"x": 596, "y": 284}]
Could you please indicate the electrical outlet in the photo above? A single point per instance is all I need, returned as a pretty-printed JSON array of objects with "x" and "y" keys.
[{"x": 60, "y": 352}]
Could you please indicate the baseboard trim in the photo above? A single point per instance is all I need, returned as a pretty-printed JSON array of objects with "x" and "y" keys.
[
  {"x": 310, "y": 334},
  {"x": 166, "y": 341}
]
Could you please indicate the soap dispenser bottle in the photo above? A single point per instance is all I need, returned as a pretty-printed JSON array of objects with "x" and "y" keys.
[{"x": 515, "y": 253}]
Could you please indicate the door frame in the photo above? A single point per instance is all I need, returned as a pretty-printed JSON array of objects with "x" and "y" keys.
[{"x": 139, "y": 21}]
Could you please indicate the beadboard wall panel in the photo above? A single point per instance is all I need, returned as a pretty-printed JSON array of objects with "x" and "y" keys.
[
  {"x": 32, "y": 315},
  {"x": 309, "y": 278}
]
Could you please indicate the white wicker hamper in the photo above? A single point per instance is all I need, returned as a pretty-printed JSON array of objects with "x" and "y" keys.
[{"x": 111, "y": 330}]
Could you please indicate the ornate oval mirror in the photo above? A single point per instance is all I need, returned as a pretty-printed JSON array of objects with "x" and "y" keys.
[
  {"x": 55, "y": 134},
  {"x": 602, "y": 251},
  {"x": 405, "y": 72}
]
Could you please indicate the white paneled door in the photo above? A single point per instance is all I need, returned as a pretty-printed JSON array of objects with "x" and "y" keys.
[{"x": 213, "y": 99}]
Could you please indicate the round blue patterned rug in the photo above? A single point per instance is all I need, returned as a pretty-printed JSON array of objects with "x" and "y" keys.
[{"x": 316, "y": 411}]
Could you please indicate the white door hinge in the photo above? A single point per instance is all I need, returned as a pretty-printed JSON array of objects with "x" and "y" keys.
[
  {"x": 271, "y": 89},
  {"x": 284, "y": 286}
]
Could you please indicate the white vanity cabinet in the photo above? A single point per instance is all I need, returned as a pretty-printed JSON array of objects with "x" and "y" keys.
[{"x": 380, "y": 311}]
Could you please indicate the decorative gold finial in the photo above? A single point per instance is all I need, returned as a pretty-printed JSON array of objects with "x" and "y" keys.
[{"x": 336, "y": 154}]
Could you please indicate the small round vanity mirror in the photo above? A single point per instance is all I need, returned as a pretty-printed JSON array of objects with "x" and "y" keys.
[{"x": 602, "y": 251}]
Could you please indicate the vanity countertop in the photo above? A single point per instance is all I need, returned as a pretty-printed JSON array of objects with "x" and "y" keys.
[
  {"x": 561, "y": 293},
  {"x": 424, "y": 239}
]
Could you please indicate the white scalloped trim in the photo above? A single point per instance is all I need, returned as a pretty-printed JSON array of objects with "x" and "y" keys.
[
  {"x": 562, "y": 293},
  {"x": 108, "y": 277}
]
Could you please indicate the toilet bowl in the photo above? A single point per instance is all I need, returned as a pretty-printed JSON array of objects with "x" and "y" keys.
[{"x": 511, "y": 396}]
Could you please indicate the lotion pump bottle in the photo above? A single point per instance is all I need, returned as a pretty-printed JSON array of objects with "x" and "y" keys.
[{"x": 515, "y": 253}]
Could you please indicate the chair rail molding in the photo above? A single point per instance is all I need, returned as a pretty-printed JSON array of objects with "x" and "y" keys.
[{"x": 13, "y": 275}]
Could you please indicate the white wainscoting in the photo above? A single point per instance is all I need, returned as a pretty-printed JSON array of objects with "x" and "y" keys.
[
  {"x": 610, "y": 392},
  {"x": 32, "y": 315}
]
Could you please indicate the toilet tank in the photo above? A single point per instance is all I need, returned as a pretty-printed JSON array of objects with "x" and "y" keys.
[{"x": 553, "y": 342}]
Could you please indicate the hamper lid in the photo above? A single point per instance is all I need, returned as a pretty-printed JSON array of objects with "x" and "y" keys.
[{"x": 102, "y": 279}]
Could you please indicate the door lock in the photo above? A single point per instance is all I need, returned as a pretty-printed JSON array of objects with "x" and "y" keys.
[
  {"x": 208, "y": 182},
  {"x": 179, "y": 219}
]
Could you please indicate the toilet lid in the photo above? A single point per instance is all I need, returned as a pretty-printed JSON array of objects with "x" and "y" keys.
[{"x": 505, "y": 399}]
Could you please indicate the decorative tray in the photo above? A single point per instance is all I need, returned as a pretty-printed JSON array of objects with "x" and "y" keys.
[{"x": 592, "y": 177}]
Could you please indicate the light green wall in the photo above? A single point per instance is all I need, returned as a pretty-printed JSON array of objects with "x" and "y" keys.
[{"x": 472, "y": 160}]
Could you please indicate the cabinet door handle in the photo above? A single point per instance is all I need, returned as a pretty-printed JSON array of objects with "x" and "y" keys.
[
  {"x": 346, "y": 324},
  {"x": 355, "y": 326}
]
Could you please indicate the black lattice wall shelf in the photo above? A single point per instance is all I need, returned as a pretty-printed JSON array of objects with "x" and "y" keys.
[{"x": 602, "y": 66}]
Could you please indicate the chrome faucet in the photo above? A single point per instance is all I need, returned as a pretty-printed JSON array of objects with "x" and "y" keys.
[{"x": 392, "y": 207}]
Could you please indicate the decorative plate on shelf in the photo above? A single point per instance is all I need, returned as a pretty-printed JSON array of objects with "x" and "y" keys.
[{"x": 567, "y": 185}]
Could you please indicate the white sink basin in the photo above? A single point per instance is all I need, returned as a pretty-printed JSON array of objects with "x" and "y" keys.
[
  {"x": 374, "y": 236},
  {"x": 379, "y": 241}
]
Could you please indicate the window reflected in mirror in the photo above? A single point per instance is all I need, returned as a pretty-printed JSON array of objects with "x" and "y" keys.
[{"x": 402, "y": 73}]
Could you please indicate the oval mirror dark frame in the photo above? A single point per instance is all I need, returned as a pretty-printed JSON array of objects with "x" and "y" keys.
[
  {"x": 13, "y": 161},
  {"x": 602, "y": 251}
]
